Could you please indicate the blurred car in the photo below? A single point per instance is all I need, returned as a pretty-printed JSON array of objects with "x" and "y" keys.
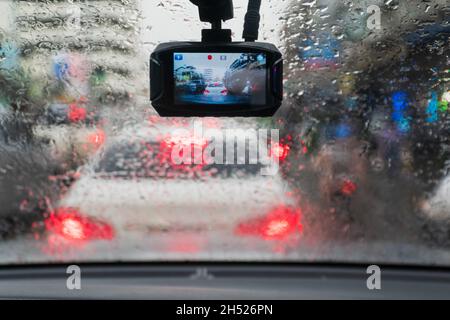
[
  {"x": 26, "y": 165},
  {"x": 195, "y": 86},
  {"x": 215, "y": 89},
  {"x": 72, "y": 132},
  {"x": 189, "y": 80},
  {"x": 245, "y": 75},
  {"x": 134, "y": 170},
  {"x": 437, "y": 206},
  {"x": 71, "y": 145}
]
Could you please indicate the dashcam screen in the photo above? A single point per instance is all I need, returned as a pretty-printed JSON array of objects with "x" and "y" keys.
[{"x": 220, "y": 78}]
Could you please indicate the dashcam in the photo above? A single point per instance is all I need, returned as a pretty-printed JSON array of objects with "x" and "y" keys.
[{"x": 217, "y": 77}]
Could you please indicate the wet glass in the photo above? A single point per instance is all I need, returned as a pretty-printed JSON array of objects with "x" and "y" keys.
[{"x": 360, "y": 149}]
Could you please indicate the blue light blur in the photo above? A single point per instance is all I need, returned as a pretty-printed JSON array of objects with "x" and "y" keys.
[
  {"x": 400, "y": 106},
  {"x": 325, "y": 47},
  {"x": 60, "y": 67},
  {"x": 343, "y": 131},
  {"x": 8, "y": 56},
  {"x": 338, "y": 131},
  {"x": 432, "y": 108}
]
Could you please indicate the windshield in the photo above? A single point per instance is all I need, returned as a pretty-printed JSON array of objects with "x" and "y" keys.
[{"x": 353, "y": 168}]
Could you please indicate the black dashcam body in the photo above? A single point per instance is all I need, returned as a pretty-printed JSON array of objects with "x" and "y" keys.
[{"x": 216, "y": 79}]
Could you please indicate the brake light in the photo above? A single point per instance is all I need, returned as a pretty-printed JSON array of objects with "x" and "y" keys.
[
  {"x": 348, "y": 188},
  {"x": 73, "y": 228},
  {"x": 304, "y": 147},
  {"x": 76, "y": 114},
  {"x": 96, "y": 139},
  {"x": 70, "y": 224},
  {"x": 224, "y": 92},
  {"x": 279, "y": 224},
  {"x": 279, "y": 150},
  {"x": 206, "y": 92}
]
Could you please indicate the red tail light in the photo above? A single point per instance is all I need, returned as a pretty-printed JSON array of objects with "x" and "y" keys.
[
  {"x": 206, "y": 92},
  {"x": 70, "y": 224},
  {"x": 280, "y": 223},
  {"x": 96, "y": 139},
  {"x": 279, "y": 150},
  {"x": 224, "y": 92},
  {"x": 348, "y": 188},
  {"x": 76, "y": 114}
]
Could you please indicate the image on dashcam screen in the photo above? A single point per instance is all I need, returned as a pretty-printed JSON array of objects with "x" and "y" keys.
[{"x": 220, "y": 78}]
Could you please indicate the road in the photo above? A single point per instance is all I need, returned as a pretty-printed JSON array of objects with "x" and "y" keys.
[{"x": 216, "y": 99}]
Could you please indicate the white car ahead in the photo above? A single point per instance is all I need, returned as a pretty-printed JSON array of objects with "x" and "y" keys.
[{"x": 134, "y": 185}]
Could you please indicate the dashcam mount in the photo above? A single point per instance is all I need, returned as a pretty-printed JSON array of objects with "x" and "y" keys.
[{"x": 215, "y": 12}]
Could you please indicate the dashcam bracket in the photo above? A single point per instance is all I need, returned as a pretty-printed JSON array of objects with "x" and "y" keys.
[{"x": 214, "y": 12}]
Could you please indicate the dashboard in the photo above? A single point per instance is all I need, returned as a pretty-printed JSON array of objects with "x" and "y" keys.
[{"x": 222, "y": 282}]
